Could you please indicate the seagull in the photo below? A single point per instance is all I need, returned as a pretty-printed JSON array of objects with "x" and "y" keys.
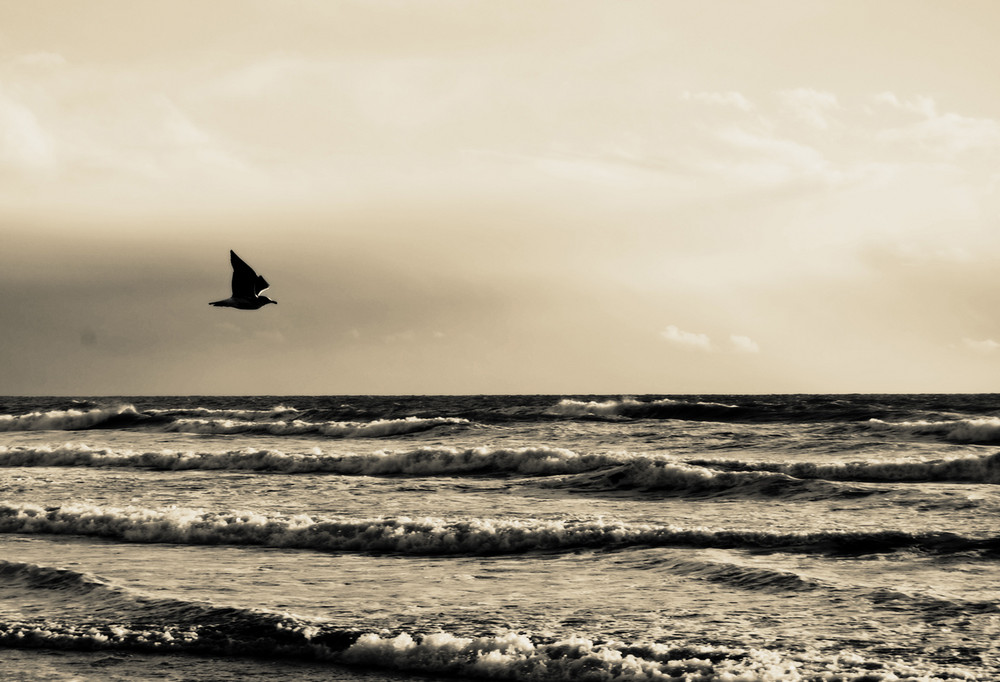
[{"x": 247, "y": 286}]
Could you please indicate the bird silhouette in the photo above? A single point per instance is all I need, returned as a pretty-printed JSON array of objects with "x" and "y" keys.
[{"x": 247, "y": 286}]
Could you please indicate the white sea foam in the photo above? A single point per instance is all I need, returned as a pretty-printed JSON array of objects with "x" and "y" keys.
[
  {"x": 276, "y": 412},
  {"x": 605, "y": 408},
  {"x": 373, "y": 429},
  {"x": 600, "y": 470},
  {"x": 971, "y": 430},
  {"x": 434, "y": 535},
  {"x": 508, "y": 655},
  {"x": 421, "y": 461},
  {"x": 515, "y": 656},
  {"x": 630, "y": 407},
  {"x": 64, "y": 419},
  {"x": 609, "y": 471}
]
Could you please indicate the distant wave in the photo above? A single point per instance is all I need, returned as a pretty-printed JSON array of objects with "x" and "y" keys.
[
  {"x": 276, "y": 412},
  {"x": 218, "y": 422},
  {"x": 421, "y": 461},
  {"x": 682, "y": 478},
  {"x": 296, "y": 427},
  {"x": 598, "y": 471},
  {"x": 631, "y": 408},
  {"x": 972, "y": 430},
  {"x": 68, "y": 420},
  {"x": 973, "y": 469},
  {"x": 478, "y": 536},
  {"x": 601, "y": 471}
]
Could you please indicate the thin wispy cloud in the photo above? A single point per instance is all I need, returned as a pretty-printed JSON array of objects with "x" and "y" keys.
[
  {"x": 810, "y": 106},
  {"x": 744, "y": 344},
  {"x": 981, "y": 346},
  {"x": 41, "y": 59},
  {"x": 725, "y": 99},
  {"x": 703, "y": 342},
  {"x": 24, "y": 144},
  {"x": 948, "y": 133},
  {"x": 691, "y": 340}
]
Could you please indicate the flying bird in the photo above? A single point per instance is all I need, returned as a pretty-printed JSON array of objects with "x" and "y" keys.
[{"x": 247, "y": 286}]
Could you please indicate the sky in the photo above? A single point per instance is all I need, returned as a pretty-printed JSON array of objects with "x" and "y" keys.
[{"x": 528, "y": 196}]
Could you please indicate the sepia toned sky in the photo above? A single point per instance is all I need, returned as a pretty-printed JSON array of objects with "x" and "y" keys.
[{"x": 500, "y": 197}]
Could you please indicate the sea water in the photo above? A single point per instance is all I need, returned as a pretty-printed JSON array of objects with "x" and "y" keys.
[{"x": 500, "y": 537}]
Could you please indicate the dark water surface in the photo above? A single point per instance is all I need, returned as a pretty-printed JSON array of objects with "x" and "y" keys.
[{"x": 354, "y": 538}]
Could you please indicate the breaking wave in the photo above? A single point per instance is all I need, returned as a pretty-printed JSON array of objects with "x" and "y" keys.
[
  {"x": 69, "y": 420},
  {"x": 973, "y": 469},
  {"x": 597, "y": 471},
  {"x": 508, "y": 656},
  {"x": 631, "y": 408},
  {"x": 420, "y": 461},
  {"x": 128, "y": 622},
  {"x": 212, "y": 421},
  {"x": 207, "y": 630},
  {"x": 971, "y": 430},
  {"x": 437, "y": 536},
  {"x": 601, "y": 471},
  {"x": 297, "y": 427},
  {"x": 276, "y": 412},
  {"x": 682, "y": 478}
]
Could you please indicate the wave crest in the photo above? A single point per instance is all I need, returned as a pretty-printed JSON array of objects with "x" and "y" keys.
[
  {"x": 69, "y": 420},
  {"x": 630, "y": 408},
  {"x": 296, "y": 427},
  {"x": 428, "y": 536},
  {"x": 971, "y": 430},
  {"x": 682, "y": 478},
  {"x": 421, "y": 461},
  {"x": 276, "y": 412},
  {"x": 972, "y": 469}
]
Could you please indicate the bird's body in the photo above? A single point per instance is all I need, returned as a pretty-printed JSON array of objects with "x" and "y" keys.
[{"x": 247, "y": 286}]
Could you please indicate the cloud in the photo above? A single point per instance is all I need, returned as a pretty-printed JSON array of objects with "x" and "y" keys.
[
  {"x": 41, "y": 59},
  {"x": 923, "y": 105},
  {"x": 695, "y": 341},
  {"x": 744, "y": 344},
  {"x": 759, "y": 159},
  {"x": 948, "y": 133},
  {"x": 686, "y": 339},
  {"x": 24, "y": 144},
  {"x": 810, "y": 106},
  {"x": 726, "y": 99},
  {"x": 985, "y": 346}
]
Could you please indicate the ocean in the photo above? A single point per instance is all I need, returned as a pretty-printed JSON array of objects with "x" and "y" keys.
[{"x": 361, "y": 538}]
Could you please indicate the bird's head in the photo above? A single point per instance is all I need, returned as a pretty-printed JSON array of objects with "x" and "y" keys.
[{"x": 267, "y": 300}]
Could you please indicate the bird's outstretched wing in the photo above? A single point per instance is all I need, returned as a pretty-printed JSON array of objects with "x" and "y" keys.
[{"x": 247, "y": 284}]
